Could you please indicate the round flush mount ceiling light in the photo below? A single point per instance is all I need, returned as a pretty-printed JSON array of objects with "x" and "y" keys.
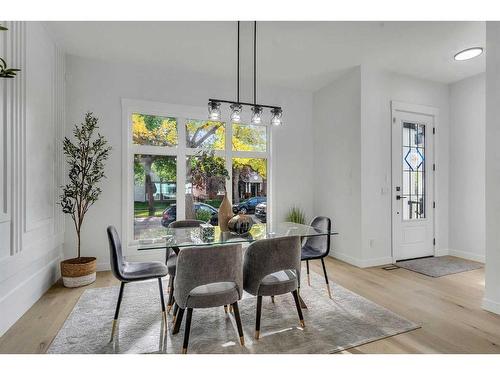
[{"x": 468, "y": 53}]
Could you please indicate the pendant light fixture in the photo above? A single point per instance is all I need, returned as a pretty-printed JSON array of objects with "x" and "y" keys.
[
  {"x": 213, "y": 111},
  {"x": 214, "y": 105}
]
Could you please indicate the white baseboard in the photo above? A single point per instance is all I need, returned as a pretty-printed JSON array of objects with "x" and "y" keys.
[
  {"x": 375, "y": 262},
  {"x": 14, "y": 304},
  {"x": 103, "y": 267},
  {"x": 345, "y": 258},
  {"x": 467, "y": 255},
  {"x": 361, "y": 263},
  {"x": 491, "y": 306},
  {"x": 441, "y": 252}
]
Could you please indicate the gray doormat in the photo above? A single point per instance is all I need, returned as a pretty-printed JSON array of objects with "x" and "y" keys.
[
  {"x": 439, "y": 266},
  {"x": 346, "y": 321}
]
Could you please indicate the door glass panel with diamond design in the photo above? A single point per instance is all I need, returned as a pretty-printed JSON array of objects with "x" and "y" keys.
[{"x": 414, "y": 200}]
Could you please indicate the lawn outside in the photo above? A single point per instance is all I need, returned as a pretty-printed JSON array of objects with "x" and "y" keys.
[{"x": 141, "y": 208}]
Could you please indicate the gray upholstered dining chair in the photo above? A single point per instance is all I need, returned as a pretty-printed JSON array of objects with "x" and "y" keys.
[
  {"x": 272, "y": 267},
  {"x": 208, "y": 277},
  {"x": 128, "y": 272},
  {"x": 318, "y": 247},
  {"x": 171, "y": 259}
]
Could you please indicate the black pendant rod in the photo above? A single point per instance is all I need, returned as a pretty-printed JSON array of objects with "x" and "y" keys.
[
  {"x": 238, "y": 69},
  {"x": 254, "y": 62},
  {"x": 254, "y": 104}
]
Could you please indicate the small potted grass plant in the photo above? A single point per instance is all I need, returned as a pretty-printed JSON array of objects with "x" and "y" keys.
[
  {"x": 85, "y": 157},
  {"x": 296, "y": 215}
]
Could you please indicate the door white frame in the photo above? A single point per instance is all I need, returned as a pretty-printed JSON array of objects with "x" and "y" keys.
[{"x": 397, "y": 106}]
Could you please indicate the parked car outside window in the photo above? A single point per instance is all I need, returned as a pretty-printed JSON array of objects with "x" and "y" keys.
[
  {"x": 202, "y": 210},
  {"x": 248, "y": 206},
  {"x": 261, "y": 212}
]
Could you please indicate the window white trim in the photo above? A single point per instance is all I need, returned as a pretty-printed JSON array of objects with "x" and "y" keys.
[{"x": 181, "y": 113}]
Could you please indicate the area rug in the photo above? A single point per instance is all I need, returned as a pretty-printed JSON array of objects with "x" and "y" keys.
[
  {"x": 439, "y": 266},
  {"x": 332, "y": 325}
]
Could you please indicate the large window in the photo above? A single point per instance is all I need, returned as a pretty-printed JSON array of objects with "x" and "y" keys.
[
  {"x": 154, "y": 191},
  {"x": 171, "y": 158}
]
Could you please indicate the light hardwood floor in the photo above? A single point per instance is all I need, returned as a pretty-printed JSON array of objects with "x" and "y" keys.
[{"x": 448, "y": 308}]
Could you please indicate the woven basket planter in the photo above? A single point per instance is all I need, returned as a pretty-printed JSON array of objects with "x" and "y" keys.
[{"x": 78, "y": 271}]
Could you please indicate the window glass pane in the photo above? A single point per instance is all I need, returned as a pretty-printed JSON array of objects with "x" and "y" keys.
[
  {"x": 205, "y": 187},
  {"x": 249, "y": 137},
  {"x": 154, "y": 193},
  {"x": 154, "y": 130},
  {"x": 250, "y": 180},
  {"x": 205, "y": 134},
  {"x": 413, "y": 171}
]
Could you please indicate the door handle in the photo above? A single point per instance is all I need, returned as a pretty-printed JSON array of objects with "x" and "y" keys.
[{"x": 398, "y": 197}]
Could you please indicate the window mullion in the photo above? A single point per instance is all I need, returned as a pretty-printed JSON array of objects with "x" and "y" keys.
[
  {"x": 181, "y": 169},
  {"x": 229, "y": 160}
]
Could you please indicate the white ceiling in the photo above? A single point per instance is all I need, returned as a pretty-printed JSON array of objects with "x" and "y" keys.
[{"x": 304, "y": 55}]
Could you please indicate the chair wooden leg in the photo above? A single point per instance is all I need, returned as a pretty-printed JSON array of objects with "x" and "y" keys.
[
  {"x": 238, "y": 323},
  {"x": 272, "y": 299},
  {"x": 174, "y": 313},
  {"x": 299, "y": 310},
  {"x": 225, "y": 309},
  {"x": 162, "y": 300},
  {"x": 170, "y": 295},
  {"x": 178, "y": 321},
  {"x": 117, "y": 310},
  {"x": 176, "y": 308},
  {"x": 257, "y": 317},
  {"x": 186, "y": 330},
  {"x": 326, "y": 278},
  {"x": 308, "y": 277}
]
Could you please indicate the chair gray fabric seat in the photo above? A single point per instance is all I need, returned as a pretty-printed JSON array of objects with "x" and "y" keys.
[
  {"x": 309, "y": 252},
  {"x": 171, "y": 260},
  {"x": 271, "y": 268},
  {"x": 172, "y": 264},
  {"x": 277, "y": 283},
  {"x": 213, "y": 295},
  {"x": 143, "y": 270},
  {"x": 208, "y": 277},
  {"x": 318, "y": 247},
  {"x": 128, "y": 272}
]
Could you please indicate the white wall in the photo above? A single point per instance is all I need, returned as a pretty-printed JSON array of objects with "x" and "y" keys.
[
  {"x": 491, "y": 300},
  {"x": 337, "y": 161},
  {"x": 99, "y": 86},
  {"x": 467, "y": 168},
  {"x": 32, "y": 112},
  {"x": 352, "y": 127},
  {"x": 379, "y": 88}
]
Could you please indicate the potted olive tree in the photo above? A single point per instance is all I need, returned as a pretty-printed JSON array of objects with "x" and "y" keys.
[{"x": 85, "y": 157}]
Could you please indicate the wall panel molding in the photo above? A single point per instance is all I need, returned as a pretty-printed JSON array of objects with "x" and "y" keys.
[
  {"x": 32, "y": 120},
  {"x": 15, "y": 108}
]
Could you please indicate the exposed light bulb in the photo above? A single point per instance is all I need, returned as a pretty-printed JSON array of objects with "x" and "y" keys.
[
  {"x": 236, "y": 112},
  {"x": 277, "y": 114},
  {"x": 257, "y": 115},
  {"x": 213, "y": 111}
]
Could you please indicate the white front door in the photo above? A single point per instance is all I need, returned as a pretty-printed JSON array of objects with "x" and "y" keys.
[{"x": 412, "y": 185}]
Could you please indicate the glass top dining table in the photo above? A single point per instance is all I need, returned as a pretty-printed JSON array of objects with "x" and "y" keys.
[{"x": 175, "y": 238}]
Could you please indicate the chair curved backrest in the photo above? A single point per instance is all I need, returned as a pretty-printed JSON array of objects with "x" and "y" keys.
[
  {"x": 186, "y": 224},
  {"x": 115, "y": 253},
  {"x": 197, "y": 266},
  {"x": 265, "y": 257},
  {"x": 320, "y": 243}
]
